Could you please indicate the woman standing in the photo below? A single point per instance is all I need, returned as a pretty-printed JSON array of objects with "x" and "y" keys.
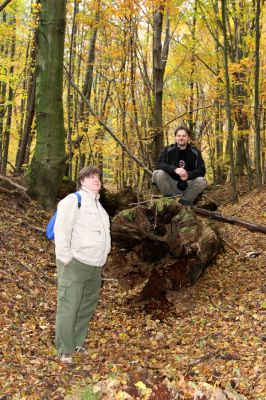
[{"x": 82, "y": 244}]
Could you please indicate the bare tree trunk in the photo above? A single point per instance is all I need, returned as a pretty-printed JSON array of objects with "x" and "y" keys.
[
  {"x": 133, "y": 57},
  {"x": 69, "y": 95},
  {"x": 257, "y": 113},
  {"x": 160, "y": 55},
  {"x": 2, "y": 115},
  {"x": 264, "y": 144},
  {"x": 10, "y": 105},
  {"x": 3, "y": 88},
  {"x": 47, "y": 165},
  {"x": 30, "y": 107},
  {"x": 228, "y": 105},
  {"x": 241, "y": 100},
  {"x": 23, "y": 101},
  {"x": 220, "y": 173},
  {"x": 192, "y": 83},
  {"x": 87, "y": 85}
]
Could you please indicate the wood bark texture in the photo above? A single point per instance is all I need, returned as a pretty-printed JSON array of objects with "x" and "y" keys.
[
  {"x": 164, "y": 244},
  {"x": 47, "y": 166}
]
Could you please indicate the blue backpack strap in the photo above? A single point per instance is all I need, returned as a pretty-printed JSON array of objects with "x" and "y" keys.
[
  {"x": 50, "y": 227},
  {"x": 79, "y": 198}
]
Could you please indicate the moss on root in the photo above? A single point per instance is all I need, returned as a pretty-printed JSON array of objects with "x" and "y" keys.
[{"x": 130, "y": 214}]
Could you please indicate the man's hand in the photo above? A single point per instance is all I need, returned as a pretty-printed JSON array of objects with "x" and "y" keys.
[{"x": 182, "y": 173}]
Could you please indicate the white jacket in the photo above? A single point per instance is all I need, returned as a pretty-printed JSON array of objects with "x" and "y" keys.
[{"x": 82, "y": 233}]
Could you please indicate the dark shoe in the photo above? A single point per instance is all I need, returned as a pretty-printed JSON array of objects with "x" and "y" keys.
[
  {"x": 185, "y": 202},
  {"x": 197, "y": 199}
]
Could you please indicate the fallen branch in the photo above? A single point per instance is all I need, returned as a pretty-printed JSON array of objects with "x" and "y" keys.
[
  {"x": 33, "y": 227},
  {"x": 230, "y": 220},
  {"x": 16, "y": 193},
  {"x": 230, "y": 246},
  {"x": 13, "y": 184},
  {"x": 12, "y": 188}
]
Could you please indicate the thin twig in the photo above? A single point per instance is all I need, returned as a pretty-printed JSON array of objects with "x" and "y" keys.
[
  {"x": 207, "y": 197},
  {"x": 154, "y": 199},
  {"x": 44, "y": 275},
  {"x": 230, "y": 246},
  {"x": 203, "y": 358},
  {"x": 33, "y": 227}
]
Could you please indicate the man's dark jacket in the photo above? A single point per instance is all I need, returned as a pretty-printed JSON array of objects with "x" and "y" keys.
[{"x": 169, "y": 158}]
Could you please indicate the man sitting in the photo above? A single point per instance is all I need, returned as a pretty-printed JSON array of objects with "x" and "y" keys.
[{"x": 180, "y": 169}]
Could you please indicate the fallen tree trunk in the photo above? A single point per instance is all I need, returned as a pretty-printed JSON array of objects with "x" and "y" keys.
[
  {"x": 165, "y": 244},
  {"x": 230, "y": 220}
]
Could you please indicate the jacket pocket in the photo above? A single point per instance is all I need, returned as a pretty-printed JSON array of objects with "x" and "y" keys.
[{"x": 88, "y": 241}]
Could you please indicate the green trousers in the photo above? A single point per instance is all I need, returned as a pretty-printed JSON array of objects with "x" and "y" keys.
[{"x": 78, "y": 292}]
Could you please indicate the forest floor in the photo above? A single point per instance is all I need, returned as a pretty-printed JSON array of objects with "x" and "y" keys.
[{"x": 209, "y": 336}]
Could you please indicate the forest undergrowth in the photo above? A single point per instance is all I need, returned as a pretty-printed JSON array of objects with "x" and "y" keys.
[{"x": 207, "y": 337}]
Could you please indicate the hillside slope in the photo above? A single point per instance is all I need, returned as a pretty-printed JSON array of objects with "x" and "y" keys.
[{"x": 212, "y": 332}]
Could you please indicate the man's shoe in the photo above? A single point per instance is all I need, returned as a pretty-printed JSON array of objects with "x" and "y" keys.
[
  {"x": 186, "y": 202},
  {"x": 81, "y": 350},
  {"x": 66, "y": 358}
]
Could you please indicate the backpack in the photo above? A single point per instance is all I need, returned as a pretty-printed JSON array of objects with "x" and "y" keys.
[{"x": 50, "y": 226}]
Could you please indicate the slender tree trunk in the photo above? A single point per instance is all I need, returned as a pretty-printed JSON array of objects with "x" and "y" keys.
[
  {"x": 264, "y": 144},
  {"x": 2, "y": 115},
  {"x": 88, "y": 80},
  {"x": 160, "y": 55},
  {"x": 69, "y": 95},
  {"x": 47, "y": 166},
  {"x": 241, "y": 100},
  {"x": 132, "y": 88},
  {"x": 30, "y": 107},
  {"x": 257, "y": 113},
  {"x": 220, "y": 173},
  {"x": 192, "y": 82},
  {"x": 23, "y": 101},
  {"x": 3, "y": 89},
  {"x": 228, "y": 105},
  {"x": 87, "y": 85},
  {"x": 10, "y": 105},
  {"x": 219, "y": 100}
]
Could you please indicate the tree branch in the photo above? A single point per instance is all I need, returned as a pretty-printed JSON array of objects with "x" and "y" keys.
[
  {"x": 5, "y": 3},
  {"x": 110, "y": 131},
  {"x": 182, "y": 115},
  {"x": 215, "y": 73}
]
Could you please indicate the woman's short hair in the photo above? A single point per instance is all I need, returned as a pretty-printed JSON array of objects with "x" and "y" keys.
[
  {"x": 86, "y": 172},
  {"x": 182, "y": 128}
]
